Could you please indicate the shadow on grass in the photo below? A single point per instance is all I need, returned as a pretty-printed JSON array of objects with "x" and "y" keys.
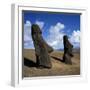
[
  {"x": 29, "y": 63},
  {"x": 58, "y": 59}
]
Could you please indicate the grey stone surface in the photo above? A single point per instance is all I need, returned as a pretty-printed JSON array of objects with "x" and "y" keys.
[
  {"x": 42, "y": 49},
  {"x": 67, "y": 50}
]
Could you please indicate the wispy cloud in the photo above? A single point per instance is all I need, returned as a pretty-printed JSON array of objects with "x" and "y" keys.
[
  {"x": 55, "y": 37},
  {"x": 75, "y": 38},
  {"x": 56, "y": 33},
  {"x": 28, "y": 43}
]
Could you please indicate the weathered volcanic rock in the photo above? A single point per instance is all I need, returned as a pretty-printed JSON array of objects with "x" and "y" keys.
[
  {"x": 42, "y": 49},
  {"x": 67, "y": 50}
]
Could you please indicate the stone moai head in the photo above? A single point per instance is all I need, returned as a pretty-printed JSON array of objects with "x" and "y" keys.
[
  {"x": 65, "y": 38},
  {"x": 35, "y": 29}
]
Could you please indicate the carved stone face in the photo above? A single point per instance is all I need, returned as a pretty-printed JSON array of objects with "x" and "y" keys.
[
  {"x": 65, "y": 38},
  {"x": 35, "y": 29}
]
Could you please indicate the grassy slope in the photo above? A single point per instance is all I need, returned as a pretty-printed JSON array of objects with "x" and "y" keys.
[{"x": 58, "y": 68}]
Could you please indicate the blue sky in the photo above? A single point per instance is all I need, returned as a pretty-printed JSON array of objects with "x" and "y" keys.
[{"x": 53, "y": 26}]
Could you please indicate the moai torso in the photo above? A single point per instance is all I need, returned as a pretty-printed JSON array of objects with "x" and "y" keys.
[
  {"x": 67, "y": 50},
  {"x": 41, "y": 48}
]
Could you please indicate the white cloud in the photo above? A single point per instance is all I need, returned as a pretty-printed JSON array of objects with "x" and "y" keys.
[
  {"x": 40, "y": 23},
  {"x": 75, "y": 38},
  {"x": 28, "y": 23},
  {"x": 55, "y": 37},
  {"x": 28, "y": 43}
]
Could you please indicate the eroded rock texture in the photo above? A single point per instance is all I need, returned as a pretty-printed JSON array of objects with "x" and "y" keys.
[
  {"x": 67, "y": 50},
  {"x": 42, "y": 49}
]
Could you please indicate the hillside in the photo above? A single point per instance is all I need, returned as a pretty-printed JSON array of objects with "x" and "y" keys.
[{"x": 58, "y": 68}]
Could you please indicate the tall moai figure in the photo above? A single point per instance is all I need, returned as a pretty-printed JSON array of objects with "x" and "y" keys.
[
  {"x": 42, "y": 49},
  {"x": 67, "y": 50}
]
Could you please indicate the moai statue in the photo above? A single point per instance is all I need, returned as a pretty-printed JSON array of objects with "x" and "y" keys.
[
  {"x": 42, "y": 49},
  {"x": 67, "y": 50}
]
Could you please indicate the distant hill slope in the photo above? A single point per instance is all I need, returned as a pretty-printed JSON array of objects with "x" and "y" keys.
[{"x": 75, "y": 50}]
